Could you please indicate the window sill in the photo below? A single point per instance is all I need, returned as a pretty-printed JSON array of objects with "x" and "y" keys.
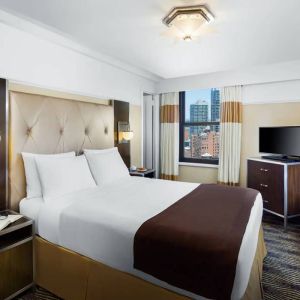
[{"x": 201, "y": 165}]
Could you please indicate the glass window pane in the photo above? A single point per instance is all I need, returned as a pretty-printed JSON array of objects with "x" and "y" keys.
[
  {"x": 202, "y": 105},
  {"x": 201, "y": 142}
]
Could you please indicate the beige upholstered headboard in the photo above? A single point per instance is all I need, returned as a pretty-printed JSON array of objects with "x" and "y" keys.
[{"x": 45, "y": 125}]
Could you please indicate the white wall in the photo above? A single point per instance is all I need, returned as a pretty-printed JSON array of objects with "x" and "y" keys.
[
  {"x": 28, "y": 59},
  {"x": 275, "y": 73},
  {"x": 275, "y": 92},
  {"x": 36, "y": 56}
]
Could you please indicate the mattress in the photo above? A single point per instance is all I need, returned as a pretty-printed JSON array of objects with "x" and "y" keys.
[
  {"x": 31, "y": 208},
  {"x": 101, "y": 223}
]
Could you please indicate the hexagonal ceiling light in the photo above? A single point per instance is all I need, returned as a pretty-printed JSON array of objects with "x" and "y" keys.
[{"x": 188, "y": 19}]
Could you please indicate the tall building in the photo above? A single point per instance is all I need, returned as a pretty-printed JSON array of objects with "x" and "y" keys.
[
  {"x": 205, "y": 145},
  {"x": 198, "y": 113},
  {"x": 215, "y": 105},
  {"x": 215, "y": 108},
  {"x": 187, "y": 142}
]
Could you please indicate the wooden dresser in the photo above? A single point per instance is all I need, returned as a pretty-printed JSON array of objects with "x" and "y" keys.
[{"x": 279, "y": 184}]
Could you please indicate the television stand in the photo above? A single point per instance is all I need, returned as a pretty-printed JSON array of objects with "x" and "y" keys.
[
  {"x": 284, "y": 159},
  {"x": 279, "y": 184}
]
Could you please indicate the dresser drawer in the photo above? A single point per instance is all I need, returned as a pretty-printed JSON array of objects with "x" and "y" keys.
[{"x": 268, "y": 179}]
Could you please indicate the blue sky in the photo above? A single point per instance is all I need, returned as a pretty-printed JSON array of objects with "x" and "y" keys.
[{"x": 193, "y": 96}]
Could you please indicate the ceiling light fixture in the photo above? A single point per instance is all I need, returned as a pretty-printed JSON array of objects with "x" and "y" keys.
[
  {"x": 187, "y": 38},
  {"x": 188, "y": 19}
]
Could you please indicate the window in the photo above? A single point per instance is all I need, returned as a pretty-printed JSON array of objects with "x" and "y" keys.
[{"x": 200, "y": 126}]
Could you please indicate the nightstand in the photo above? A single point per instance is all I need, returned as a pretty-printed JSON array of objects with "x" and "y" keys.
[
  {"x": 149, "y": 173},
  {"x": 16, "y": 257}
]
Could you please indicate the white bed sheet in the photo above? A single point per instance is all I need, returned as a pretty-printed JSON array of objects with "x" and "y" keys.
[
  {"x": 101, "y": 223},
  {"x": 31, "y": 208}
]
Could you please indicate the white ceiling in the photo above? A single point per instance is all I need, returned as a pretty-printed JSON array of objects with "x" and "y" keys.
[{"x": 244, "y": 33}]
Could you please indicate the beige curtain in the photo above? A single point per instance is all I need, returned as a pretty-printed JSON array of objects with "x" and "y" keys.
[
  {"x": 230, "y": 135},
  {"x": 169, "y": 136}
]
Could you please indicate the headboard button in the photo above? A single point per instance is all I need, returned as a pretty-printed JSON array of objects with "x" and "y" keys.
[
  {"x": 86, "y": 131},
  {"x": 29, "y": 131},
  {"x": 61, "y": 131}
]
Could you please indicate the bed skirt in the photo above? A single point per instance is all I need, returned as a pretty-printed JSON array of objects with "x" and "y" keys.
[{"x": 70, "y": 275}]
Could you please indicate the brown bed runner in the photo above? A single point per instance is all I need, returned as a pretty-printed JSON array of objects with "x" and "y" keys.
[{"x": 194, "y": 243}]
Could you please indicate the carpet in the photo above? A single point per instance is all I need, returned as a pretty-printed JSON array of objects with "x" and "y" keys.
[{"x": 281, "y": 274}]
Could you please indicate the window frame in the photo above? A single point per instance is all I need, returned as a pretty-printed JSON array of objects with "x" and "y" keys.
[{"x": 182, "y": 125}]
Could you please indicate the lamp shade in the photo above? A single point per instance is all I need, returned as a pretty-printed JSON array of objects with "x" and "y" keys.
[
  {"x": 187, "y": 24},
  {"x": 127, "y": 135}
]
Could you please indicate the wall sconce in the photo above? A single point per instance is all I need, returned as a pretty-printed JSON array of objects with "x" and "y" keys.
[{"x": 124, "y": 132}]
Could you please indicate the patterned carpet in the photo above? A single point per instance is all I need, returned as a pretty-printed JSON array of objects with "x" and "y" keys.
[
  {"x": 37, "y": 294},
  {"x": 281, "y": 277}
]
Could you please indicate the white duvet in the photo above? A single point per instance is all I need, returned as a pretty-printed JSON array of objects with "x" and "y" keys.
[{"x": 101, "y": 223}]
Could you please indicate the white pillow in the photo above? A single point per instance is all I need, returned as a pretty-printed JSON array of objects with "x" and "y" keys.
[
  {"x": 33, "y": 184},
  {"x": 60, "y": 176},
  {"x": 94, "y": 151},
  {"x": 107, "y": 166}
]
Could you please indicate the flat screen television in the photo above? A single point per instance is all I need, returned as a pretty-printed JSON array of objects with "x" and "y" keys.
[{"x": 284, "y": 141}]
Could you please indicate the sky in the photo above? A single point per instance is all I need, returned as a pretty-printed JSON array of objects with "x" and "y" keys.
[{"x": 192, "y": 96}]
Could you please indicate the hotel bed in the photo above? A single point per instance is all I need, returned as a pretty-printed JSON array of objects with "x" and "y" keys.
[
  {"x": 100, "y": 223},
  {"x": 85, "y": 240}
]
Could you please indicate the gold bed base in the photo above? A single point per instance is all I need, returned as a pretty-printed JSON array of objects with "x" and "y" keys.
[{"x": 70, "y": 275}]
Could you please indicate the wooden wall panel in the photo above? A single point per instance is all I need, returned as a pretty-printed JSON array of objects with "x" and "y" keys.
[
  {"x": 294, "y": 189},
  {"x": 121, "y": 113},
  {"x": 3, "y": 145}
]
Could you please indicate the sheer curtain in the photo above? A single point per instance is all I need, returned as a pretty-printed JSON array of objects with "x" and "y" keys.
[
  {"x": 169, "y": 136},
  {"x": 230, "y": 135}
]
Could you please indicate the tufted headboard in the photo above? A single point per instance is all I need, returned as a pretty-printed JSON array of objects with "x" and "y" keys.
[{"x": 45, "y": 125}]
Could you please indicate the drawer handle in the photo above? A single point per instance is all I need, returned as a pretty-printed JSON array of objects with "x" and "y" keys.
[
  {"x": 264, "y": 185},
  {"x": 266, "y": 201},
  {"x": 264, "y": 170}
]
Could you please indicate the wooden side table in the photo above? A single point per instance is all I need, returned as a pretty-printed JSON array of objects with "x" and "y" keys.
[
  {"x": 16, "y": 257},
  {"x": 149, "y": 173}
]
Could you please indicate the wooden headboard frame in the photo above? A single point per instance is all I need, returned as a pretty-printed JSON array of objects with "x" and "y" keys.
[{"x": 45, "y": 125}]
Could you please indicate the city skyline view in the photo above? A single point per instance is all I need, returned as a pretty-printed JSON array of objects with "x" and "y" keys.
[
  {"x": 202, "y": 141},
  {"x": 191, "y": 97}
]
